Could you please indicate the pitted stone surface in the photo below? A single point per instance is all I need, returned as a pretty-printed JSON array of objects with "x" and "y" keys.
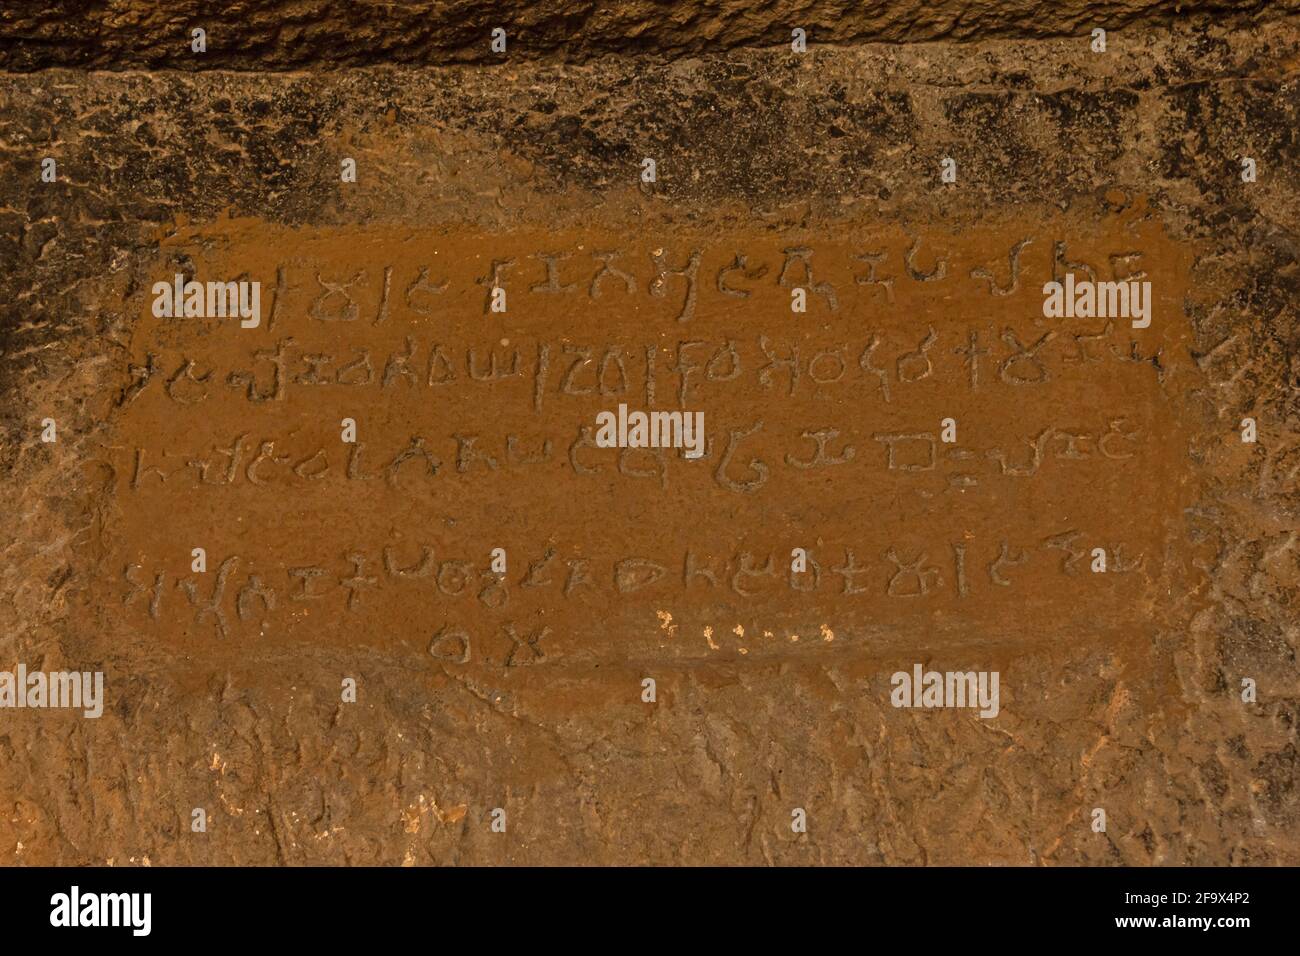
[
  {"x": 315, "y": 34},
  {"x": 329, "y": 560}
]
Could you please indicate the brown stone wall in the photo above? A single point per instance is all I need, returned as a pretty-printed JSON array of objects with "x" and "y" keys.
[{"x": 523, "y": 691}]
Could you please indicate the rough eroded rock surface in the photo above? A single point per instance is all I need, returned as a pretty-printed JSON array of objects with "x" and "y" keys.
[
  {"x": 310, "y": 34},
  {"x": 523, "y": 691}
]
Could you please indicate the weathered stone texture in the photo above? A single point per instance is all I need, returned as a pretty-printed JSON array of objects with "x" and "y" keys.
[
  {"x": 311, "y": 34},
  {"x": 1121, "y": 692}
]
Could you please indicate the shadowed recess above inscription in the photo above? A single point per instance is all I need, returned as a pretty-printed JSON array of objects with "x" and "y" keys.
[{"x": 270, "y": 35}]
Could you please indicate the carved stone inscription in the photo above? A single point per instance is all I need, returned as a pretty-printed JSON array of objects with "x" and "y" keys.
[{"x": 917, "y": 444}]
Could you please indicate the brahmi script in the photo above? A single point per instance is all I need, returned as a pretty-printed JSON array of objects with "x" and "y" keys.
[{"x": 209, "y": 300}]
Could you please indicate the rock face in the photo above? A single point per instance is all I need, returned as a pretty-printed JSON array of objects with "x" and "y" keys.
[
  {"x": 310, "y": 34},
  {"x": 363, "y": 583}
]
